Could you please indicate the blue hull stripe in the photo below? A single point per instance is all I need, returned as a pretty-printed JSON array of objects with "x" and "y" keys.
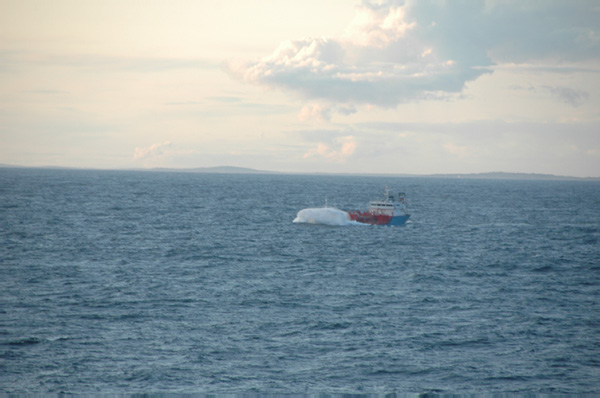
[{"x": 399, "y": 220}]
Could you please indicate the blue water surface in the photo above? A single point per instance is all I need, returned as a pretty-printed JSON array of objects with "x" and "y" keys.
[{"x": 154, "y": 282}]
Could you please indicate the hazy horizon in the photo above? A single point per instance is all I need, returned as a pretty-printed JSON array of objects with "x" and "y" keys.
[
  {"x": 372, "y": 87},
  {"x": 224, "y": 169}
]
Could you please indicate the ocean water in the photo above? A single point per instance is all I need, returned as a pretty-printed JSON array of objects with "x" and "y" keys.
[{"x": 148, "y": 282}]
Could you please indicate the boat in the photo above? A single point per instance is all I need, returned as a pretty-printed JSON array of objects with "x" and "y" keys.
[{"x": 389, "y": 211}]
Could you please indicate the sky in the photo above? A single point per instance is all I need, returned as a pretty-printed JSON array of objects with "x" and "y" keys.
[{"x": 333, "y": 86}]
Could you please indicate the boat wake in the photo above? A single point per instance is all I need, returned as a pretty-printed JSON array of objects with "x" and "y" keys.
[{"x": 325, "y": 216}]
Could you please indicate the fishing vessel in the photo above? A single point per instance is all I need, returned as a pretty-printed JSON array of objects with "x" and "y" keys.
[{"x": 392, "y": 210}]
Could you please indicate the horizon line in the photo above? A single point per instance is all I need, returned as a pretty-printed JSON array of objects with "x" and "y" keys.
[{"x": 249, "y": 170}]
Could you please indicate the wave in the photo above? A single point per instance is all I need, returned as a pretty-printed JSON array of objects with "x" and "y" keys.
[{"x": 325, "y": 216}]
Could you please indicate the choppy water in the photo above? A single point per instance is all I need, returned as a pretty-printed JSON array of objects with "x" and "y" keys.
[{"x": 129, "y": 282}]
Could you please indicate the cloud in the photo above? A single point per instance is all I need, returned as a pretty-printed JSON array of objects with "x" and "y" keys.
[
  {"x": 568, "y": 95},
  {"x": 499, "y": 31},
  {"x": 315, "y": 111},
  {"x": 12, "y": 61},
  {"x": 346, "y": 146},
  {"x": 378, "y": 26},
  {"x": 153, "y": 150},
  {"x": 325, "y": 70},
  {"x": 457, "y": 150},
  {"x": 323, "y": 112},
  {"x": 396, "y": 52},
  {"x": 377, "y": 62}
]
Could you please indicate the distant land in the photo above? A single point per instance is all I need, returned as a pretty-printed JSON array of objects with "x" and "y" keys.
[
  {"x": 513, "y": 176},
  {"x": 216, "y": 170},
  {"x": 245, "y": 170}
]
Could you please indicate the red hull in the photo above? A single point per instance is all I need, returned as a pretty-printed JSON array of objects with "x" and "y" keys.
[{"x": 366, "y": 217}]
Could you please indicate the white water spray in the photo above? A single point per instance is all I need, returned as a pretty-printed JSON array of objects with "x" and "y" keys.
[{"x": 324, "y": 215}]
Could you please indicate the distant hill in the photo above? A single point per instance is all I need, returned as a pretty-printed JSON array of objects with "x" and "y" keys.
[
  {"x": 246, "y": 170},
  {"x": 216, "y": 170},
  {"x": 511, "y": 176},
  {"x": 12, "y": 166},
  {"x": 219, "y": 170},
  {"x": 482, "y": 176}
]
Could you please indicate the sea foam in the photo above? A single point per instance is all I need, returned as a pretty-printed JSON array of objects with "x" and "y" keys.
[{"x": 324, "y": 215}]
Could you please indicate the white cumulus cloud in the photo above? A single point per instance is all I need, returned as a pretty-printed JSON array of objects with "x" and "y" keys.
[
  {"x": 323, "y": 112},
  {"x": 401, "y": 51},
  {"x": 345, "y": 147},
  {"x": 378, "y": 26},
  {"x": 151, "y": 151}
]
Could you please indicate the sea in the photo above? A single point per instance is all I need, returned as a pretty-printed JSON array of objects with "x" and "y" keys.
[{"x": 147, "y": 282}]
